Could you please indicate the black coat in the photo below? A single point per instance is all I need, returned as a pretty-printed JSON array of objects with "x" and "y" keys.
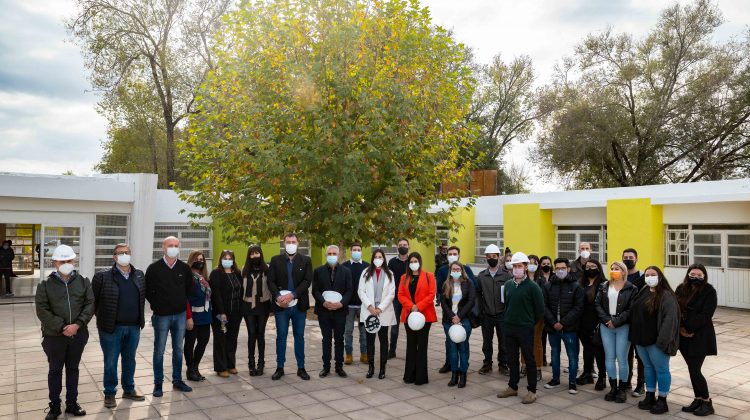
[
  {"x": 302, "y": 273},
  {"x": 342, "y": 283},
  {"x": 225, "y": 297},
  {"x": 465, "y": 305},
  {"x": 107, "y": 293},
  {"x": 6, "y": 257},
  {"x": 697, "y": 319},
  {"x": 357, "y": 270},
  {"x": 566, "y": 296},
  {"x": 624, "y": 303}
]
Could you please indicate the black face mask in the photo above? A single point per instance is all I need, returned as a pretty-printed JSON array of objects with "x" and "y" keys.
[
  {"x": 546, "y": 268},
  {"x": 492, "y": 262},
  {"x": 630, "y": 264},
  {"x": 695, "y": 280},
  {"x": 403, "y": 250},
  {"x": 198, "y": 265},
  {"x": 255, "y": 261},
  {"x": 591, "y": 272}
]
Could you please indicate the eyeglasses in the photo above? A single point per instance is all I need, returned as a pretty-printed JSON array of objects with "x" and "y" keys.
[{"x": 123, "y": 253}]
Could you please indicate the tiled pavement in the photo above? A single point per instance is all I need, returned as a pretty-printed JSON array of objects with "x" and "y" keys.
[{"x": 23, "y": 393}]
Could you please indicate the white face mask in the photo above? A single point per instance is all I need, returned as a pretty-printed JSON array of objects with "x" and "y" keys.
[
  {"x": 452, "y": 259},
  {"x": 509, "y": 265},
  {"x": 173, "y": 252},
  {"x": 456, "y": 275},
  {"x": 66, "y": 269},
  {"x": 414, "y": 266},
  {"x": 123, "y": 260},
  {"x": 291, "y": 249},
  {"x": 532, "y": 268},
  {"x": 378, "y": 262},
  {"x": 585, "y": 255},
  {"x": 227, "y": 263},
  {"x": 652, "y": 281}
]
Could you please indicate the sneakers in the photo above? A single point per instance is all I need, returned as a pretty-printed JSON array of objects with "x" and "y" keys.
[
  {"x": 529, "y": 398},
  {"x": 552, "y": 384},
  {"x": 572, "y": 389},
  {"x": 181, "y": 386},
  {"x": 508, "y": 392},
  {"x": 638, "y": 391},
  {"x": 109, "y": 401},
  {"x": 75, "y": 409},
  {"x": 348, "y": 360},
  {"x": 53, "y": 412},
  {"x": 485, "y": 369}
]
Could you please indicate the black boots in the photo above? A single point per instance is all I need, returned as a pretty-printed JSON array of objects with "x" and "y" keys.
[
  {"x": 381, "y": 375},
  {"x": 585, "y": 379},
  {"x": 706, "y": 409},
  {"x": 251, "y": 368},
  {"x": 454, "y": 379},
  {"x": 54, "y": 411},
  {"x": 75, "y": 409},
  {"x": 601, "y": 382},
  {"x": 462, "y": 379},
  {"x": 622, "y": 393},
  {"x": 194, "y": 375},
  {"x": 370, "y": 369},
  {"x": 660, "y": 406},
  {"x": 693, "y": 406},
  {"x": 648, "y": 402},
  {"x": 610, "y": 396},
  {"x": 260, "y": 367},
  {"x": 446, "y": 368}
]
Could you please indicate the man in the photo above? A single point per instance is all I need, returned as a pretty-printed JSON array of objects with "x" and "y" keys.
[
  {"x": 169, "y": 283},
  {"x": 356, "y": 265},
  {"x": 119, "y": 301},
  {"x": 64, "y": 305},
  {"x": 563, "y": 308},
  {"x": 441, "y": 257},
  {"x": 524, "y": 308},
  {"x": 454, "y": 254},
  {"x": 290, "y": 272},
  {"x": 398, "y": 265},
  {"x": 636, "y": 277},
  {"x": 332, "y": 315},
  {"x": 490, "y": 285},
  {"x": 578, "y": 266},
  {"x": 7, "y": 255}
]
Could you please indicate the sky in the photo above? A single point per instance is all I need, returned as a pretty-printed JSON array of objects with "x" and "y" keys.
[{"x": 48, "y": 118}]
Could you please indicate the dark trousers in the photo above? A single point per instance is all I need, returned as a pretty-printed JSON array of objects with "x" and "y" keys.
[
  {"x": 700, "y": 386},
  {"x": 383, "y": 338},
  {"x": 520, "y": 338},
  {"x": 196, "y": 341},
  {"x": 7, "y": 273},
  {"x": 64, "y": 352},
  {"x": 256, "y": 335},
  {"x": 641, "y": 376},
  {"x": 493, "y": 325},
  {"x": 332, "y": 328},
  {"x": 394, "y": 329},
  {"x": 415, "y": 369},
  {"x": 544, "y": 346},
  {"x": 591, "y": 353},
  {"x": 225, "y": 344}
]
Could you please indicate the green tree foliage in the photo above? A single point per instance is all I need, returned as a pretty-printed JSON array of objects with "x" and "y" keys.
[
  {"x": 333, "y": 118},
  {"x": 671, "y": 107}
]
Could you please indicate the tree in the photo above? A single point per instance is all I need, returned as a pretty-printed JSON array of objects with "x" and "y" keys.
[
  {"x": 671, "y": 107},
  {"x": 333, "y": 118},
  {"x": 163, "y": 43}
]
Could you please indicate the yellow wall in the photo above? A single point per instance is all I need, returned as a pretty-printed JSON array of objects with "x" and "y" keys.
[
  {"x": 635, "y": 223},
  {"x": 529, "y": 229}
]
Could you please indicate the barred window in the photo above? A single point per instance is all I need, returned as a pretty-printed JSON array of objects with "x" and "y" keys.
[
  {"x": 192, "y": 238},
  {"x": 303, "y": 248},
  {"x": 678, "y": 246},
  {"x": 110, "y": 231},
  {"x": 485, "y": 236},
  {"x": 570, "y": 237}
]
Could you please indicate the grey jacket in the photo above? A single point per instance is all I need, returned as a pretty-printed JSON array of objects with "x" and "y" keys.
[
  {"x": 489, "y": 291},
  {"x": 59, "y": 304}
]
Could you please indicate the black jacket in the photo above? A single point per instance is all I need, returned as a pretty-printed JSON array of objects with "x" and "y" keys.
[
  {"x": 565, "y": 296},
  {"x": 6, "y": 257},
  {"x": 342, "y": 283},
  {"x": 168, "y": 289},
  {"x": 698, "y": 320},
  {"x": 465, "y": 305},
  {"x": 107, "y": 293},
  {"x": 302, "y": 273},
  {"x": 624, "y": 303},
  {"x": 489, "y": 290},
  {"x": 665, "y": 330},
  {"x": 226, "y": 297},
  {"x": 357, "y": 269},
  {"x": 59, "y": 304}
]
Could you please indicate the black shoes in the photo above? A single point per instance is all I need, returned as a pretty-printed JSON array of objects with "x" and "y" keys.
[
  {"x": 660, "y": 406},
  {"x": 133, "y": 396},
  {"x": 454, "y": 379},
  {"x": 585, "y": 379},
  {"x": 193, "y": 375},
  {"x": 462, "y": 379},
  {"x": 75, "y": 409},
  {"x": 504, "y": 370},
  {"x": 370, "y": 370},
  {"x": 706, "y": 409},
  {"x": 110, "y": 401},
  {"x": 340, "y": 372},
  {"x": 446, "y": 368},
  {"x": 323, "y": 373},
  {"x": 552, "y": 384},
  {"x": 610, "y": 396},
  {"x": 485, "y": 369},
  {"x": 392, "y": 354},
  {"x": 601, "y": 383},
  {"x": 693, "y": 406},
  {"x": 53, "y": 412},
  {"x": 256, "y": 371},
  {"x": 648, "y": 402},
  {"x": 381, "y": 375},
  {"x": 278, "y": 374},
  {"x": 303, "y": 374}
]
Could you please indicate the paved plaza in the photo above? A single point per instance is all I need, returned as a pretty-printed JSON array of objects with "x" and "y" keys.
[{"x": 23, "y": 386}]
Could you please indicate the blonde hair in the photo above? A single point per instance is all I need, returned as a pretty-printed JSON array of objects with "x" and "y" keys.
[{"x": 622, "y": 268}]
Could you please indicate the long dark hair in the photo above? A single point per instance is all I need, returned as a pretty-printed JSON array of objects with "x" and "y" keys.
[
  {"x": 371, "y": 268},
  {"x": 662, "y": 288},
  {"x": 246, "y": 268},
  {"x": 599, "y": 279},
  {"x": 224, "y": 253},
  {"x": 686, "y": 290},
  {"x": 419, "y": 258}
]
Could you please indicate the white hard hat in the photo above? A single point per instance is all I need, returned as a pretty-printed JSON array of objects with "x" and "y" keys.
[
  {"x": 492, "y": 249},
  {"x": 415, "y": 321},
  {"x": 63, "y": 253},
  {"x": 457, "y": 333},
  {"x": 519, "y": 257},
  {"x": 372, "y": 324}
]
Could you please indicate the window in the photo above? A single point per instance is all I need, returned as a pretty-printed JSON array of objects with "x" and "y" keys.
[
  {"x": 715, "y": 246},
  {"x": 569, "y": 237},
  {"x": 110, "y": 231},
  {"x": 707, "y": 249},
  {"x": 738, "y": 250},
  {"x": 443, "y": 235},
  {"x": 192, "y": 238},
  {"x": 303, "y": 248},
  {"x": 678, "y": 246},
  {"x": 485, "y": 236},
  {"x": 390, "y": 251}
]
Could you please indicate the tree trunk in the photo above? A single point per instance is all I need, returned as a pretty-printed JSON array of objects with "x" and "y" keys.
[{"x": 170, "y": 154}]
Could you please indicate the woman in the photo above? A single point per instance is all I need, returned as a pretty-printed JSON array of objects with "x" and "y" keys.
[
  {"x": 613, "y": 302},
  {"x": 376, "y": 290},
  {"x": 256, "y": 306},
  {"x": 697, "y": 300},
  {"x": 543, "y": 273},
  {"x": 592, "y": 278},
  {"x": 199, "y": 313},
  {"x": 226, "y": 283},
  {"x": 457, "y": 300},
  {"x": 657, "y": 314},
  {"x": 416, "y": 293}
]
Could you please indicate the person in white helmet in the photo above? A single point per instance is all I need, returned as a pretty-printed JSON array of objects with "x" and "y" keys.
[
  {"x": 64, "y": 305},
  {"x": 489, "y": 296}
]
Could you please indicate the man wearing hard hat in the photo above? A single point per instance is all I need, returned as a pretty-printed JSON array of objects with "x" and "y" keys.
[
  {"x": 490, "y": 286},
  {"x": 64, "y": 306}
]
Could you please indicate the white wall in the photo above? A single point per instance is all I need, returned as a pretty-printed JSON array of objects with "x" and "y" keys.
[
  {"x": 707, "y": 213},
  {"x": 581, "y": 216},
  {"x": 169, "y": 206}
]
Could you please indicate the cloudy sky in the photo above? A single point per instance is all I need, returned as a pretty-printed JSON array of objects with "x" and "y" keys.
[{"x": 48, "y": 121}]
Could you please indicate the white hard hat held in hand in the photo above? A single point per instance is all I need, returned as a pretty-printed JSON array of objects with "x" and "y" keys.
[
  {"x": 416, "y": 321},
  {"x": 457, "y": 333}
]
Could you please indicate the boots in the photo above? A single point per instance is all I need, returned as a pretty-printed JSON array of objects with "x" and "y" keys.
[
  {"x": 259, "y": 368},
  {"x": 251, "y": 368},
  {"x": 54, "y": 411},
  {"x": 648, "y": 402},
  {"x": 381, "y": 375},
  {"x": 601, "y": 382},
  {"x": 693, "y": 406},
  {"x": 192, "y": 374},
  {"x": 660, "y": 407},
  {"x": 462, "y": 380},
  {"x": 610, "y": 396},
  {"x": 622, "y": 393},
  {"x": 585, "y": 379},
  {"x": 454, "y": 379},
  {"x": 706, "y": 409},
  {"x": 370, "y": 369}
]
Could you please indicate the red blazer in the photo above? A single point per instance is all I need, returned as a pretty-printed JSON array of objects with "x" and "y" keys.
[{"x": 424, "y": 296}]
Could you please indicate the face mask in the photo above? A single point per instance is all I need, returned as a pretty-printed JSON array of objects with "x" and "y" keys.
[
  {"x": 290, "y": 249},
  {"x": 414, "y": 266},
  {"x": 173, "y": 252},
  {"x": 591, "y": 272},
  {"x": 652, "y": 281},
  {"x": 356, "y": 255},
  {"x": 227, "y": 263},
  {"x": 456, "y": 275},
  {"x": 452, "y": 259},
  {"x": 5, "y": 246},
  {"x": 519, "y": 273},
  {"x": 533, "y": 268},
  {"x": 492, "y": 262},
  {"x": 615, "y": 275},
  {"x": 546, "y": 268},
  {"x": 332, "y": 259},
  {"x": 378, "y": 262},
  {"x": 66, "y": 269},
  {"x": 508, "y": 265},
  {"x": 585, "y": 255},
  {"x": 255, "y": 261},
  {"x": 198, "y": 265},
  {"x": 561, "y": 274},
  {"x": 695, "y": 280},
  {"x": 630, "y": 264},
  {"x": 123, "y": 260},
  {"x": 403, "y": 250}
]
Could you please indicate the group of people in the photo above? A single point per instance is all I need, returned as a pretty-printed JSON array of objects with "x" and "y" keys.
[{"x": 522, "y": 300}]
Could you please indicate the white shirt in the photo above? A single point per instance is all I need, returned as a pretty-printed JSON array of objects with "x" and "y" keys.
[
  {"x": 612, "y": 294},
  {"x": 456, "y": 296}
]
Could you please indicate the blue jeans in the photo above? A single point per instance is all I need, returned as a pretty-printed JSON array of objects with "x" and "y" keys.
[
  {"x": 352, "y": 319},
  {"x": 655, "y": 368},
  {"x": 163, "y": 325},
  {"x": 458, "y": 354},
  {"x": 616, "y": 345},
  {"x": 282, "y": 331},
  {"x": 123, "y": 342},
  {"x": 571, "y": 348}
]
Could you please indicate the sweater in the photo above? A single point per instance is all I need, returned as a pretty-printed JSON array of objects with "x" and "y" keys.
[
  {"x": 357, "y": 269},
  {"x": 524, "y": 303},
  {"x": 168, "y": 289}
]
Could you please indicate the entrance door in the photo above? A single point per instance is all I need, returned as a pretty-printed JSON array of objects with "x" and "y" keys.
[
  {"x": 726, "y": 255},
  {"x": 55, "y": 236}
]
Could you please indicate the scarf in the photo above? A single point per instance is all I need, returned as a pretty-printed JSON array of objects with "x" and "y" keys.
[{"x": 250, "y": 292}]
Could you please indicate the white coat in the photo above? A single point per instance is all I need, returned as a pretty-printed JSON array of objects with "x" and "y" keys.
[{"x": 366, "y": 292}]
